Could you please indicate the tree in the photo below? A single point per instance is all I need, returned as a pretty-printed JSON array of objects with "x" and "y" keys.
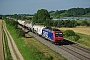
[
  {"x": 47, "y": 23},
  {"x": 74, "y": 23},
  {"x": 84, "y": 23},
  {"x": 41, "y": 16},
  {"x": 76, "y": 11},
  {"x": 0, "y": 16},
  {"x": 69, "y": 33},
  {"x": 69, "y": 23},
  {"x": 15, "y": 15}
]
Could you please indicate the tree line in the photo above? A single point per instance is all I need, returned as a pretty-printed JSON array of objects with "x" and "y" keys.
[
  {"x": 69, "y": 23},
  {"x": 72, "y": 12},
  {"x": 43, "y": 17}
]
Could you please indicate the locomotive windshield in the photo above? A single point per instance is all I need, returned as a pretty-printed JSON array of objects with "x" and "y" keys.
[{"x": 58, "y": 34}]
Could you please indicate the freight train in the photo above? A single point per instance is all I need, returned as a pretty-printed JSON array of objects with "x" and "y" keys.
[{"x": 52, "y": 34}]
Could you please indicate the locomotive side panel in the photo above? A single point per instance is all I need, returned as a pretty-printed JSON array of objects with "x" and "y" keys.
[{"x": 48, "y": 35}]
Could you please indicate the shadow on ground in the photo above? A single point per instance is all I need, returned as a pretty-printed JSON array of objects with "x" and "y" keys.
[{"x": 66, "y": 42}]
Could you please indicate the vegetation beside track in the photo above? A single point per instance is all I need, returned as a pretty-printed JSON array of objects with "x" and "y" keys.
[
  {"x": 46, "y": 51},
  {"x": 29, "y": 51},
  {"x": 72, "y": 35},
  {"x": 83, "y": 40}
]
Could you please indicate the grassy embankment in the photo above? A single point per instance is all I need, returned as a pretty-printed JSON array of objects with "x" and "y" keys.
[
  {"x": 83, "y": 32},
  {"x": 31, "y": 49}
]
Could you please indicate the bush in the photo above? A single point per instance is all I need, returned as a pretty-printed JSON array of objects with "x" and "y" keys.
[
  {"x": 20, "y": 33},
  {"x": 76, "y": 37},
  {"x": 69, "y": 33},
  {"x": 12, "y": 22}
]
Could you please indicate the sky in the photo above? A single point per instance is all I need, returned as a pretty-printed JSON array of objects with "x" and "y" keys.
[{"x": 31, "y": 6}]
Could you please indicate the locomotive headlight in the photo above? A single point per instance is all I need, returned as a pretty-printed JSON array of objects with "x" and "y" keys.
[{"x": 60, "y": 33}]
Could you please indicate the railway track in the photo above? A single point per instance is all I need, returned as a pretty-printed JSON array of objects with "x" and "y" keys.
[
  {"x": 76, "y": 52},
  {"x": 80, "y": 52},
  {"x": 81, "y": 48},
  {"x": 70, "y": 50},
  {"x": 16, "y": 55}
]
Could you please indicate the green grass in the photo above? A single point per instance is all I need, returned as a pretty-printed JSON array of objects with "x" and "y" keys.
[{"x": 84, "y": 40}]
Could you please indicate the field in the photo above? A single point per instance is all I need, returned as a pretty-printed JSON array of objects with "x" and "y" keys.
[
  {"x": 79, "y": 29},
  {"x": 83, "y": 30}
]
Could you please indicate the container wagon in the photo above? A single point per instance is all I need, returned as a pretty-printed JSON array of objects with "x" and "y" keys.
[{"x": 38, "y": 29}]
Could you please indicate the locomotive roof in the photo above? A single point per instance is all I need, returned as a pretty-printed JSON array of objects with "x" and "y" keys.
[{"x": 52, "y": 29}]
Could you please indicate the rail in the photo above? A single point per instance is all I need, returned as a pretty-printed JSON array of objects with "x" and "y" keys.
[{"x": 75, "y": 53}]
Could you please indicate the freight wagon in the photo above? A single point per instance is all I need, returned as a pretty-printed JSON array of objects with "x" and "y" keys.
[{"x": 38, "y": 29}]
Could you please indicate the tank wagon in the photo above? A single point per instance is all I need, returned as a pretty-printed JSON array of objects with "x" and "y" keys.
[{"x": 52, "y": 34}]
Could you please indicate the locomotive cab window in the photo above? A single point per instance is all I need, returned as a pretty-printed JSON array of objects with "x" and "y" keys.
[{"x": 58, "y": 35}]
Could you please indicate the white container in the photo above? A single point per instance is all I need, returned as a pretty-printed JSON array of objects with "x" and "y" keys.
[
  {"x": 38, "y": 29},
  {"x": 22, "y": 22}
]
